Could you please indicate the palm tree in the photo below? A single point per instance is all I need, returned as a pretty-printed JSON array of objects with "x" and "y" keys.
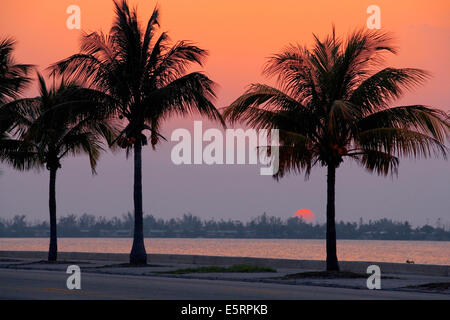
[
  {"x": 13, "y": 77},
  {"x": 332, "y": 102},
  {"x": 148, "y": 79},
  {"x": 61, "y": 121}
]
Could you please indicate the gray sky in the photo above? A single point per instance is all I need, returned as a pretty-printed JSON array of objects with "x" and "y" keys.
[{"x": 419, "y": 194}]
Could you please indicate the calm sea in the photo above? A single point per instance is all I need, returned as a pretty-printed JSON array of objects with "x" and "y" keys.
[{"x": 424, "y": 252}]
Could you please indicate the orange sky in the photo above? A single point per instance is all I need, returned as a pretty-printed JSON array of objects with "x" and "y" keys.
[{"x": 241, "y": 34}]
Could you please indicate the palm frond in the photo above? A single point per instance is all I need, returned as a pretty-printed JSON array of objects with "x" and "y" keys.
[
  {"x": 175, "y": 62},
  {"x": 14, "y": 77},
  {"x": 152, "y": 23},
  {"x": 84, "y": 67},
  {"x": 192, "y": 93},
  {"x": 83, "y": 142},
  {"x": 383, "y": 87},
  {"x": 263, "y": 96},
  {"x": 426, "y": 120},
  {"x": 401, "y": 142},
  {"x": 380, "y": 162},
  {"x": 294, "y": 160},
  {"x": 18, "y": 154},
  {"x": 334, "y": 95},
  {"x": 342, "y": 119},
  {"x": 292, "y": 68}
]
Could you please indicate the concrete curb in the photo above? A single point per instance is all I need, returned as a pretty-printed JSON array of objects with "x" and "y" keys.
[{"x": 352, "y": 266}]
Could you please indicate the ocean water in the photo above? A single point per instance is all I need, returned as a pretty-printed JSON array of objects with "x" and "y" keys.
[{"x": 423, "y": 252}]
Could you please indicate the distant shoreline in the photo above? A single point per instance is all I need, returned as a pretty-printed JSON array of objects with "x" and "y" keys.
[
  {"x": 224, "y": 238},
  {"x": 191, "y": 226}
]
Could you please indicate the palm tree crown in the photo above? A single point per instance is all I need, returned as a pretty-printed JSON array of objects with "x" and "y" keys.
[
  {"x": 145, "y": 75},
  {"x": 333, "y": 102},
  {"x": 63, "y": 120}
]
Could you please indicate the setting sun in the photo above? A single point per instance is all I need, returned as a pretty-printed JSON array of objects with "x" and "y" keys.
[{"x": 305, "y": 214}]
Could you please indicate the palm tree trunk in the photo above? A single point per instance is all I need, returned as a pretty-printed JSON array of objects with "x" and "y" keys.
[
  {"x": 53, "y": 249},
  {"x": 138, "y": 254},
  {"x": 332, "y": 261}
]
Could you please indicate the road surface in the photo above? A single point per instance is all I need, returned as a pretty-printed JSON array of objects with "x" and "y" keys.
[{"x": 31, "y": 284}]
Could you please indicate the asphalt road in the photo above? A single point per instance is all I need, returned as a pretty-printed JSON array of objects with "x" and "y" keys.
[{"x": 28, "y": 284}]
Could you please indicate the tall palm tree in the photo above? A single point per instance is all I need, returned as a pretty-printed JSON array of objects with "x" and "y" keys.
[
  {"x": 13, "y": 76},
  {"x": 61, "y": 121},
  {"x": 332, "y": 102},
  {"x": 148, "y": 79}
]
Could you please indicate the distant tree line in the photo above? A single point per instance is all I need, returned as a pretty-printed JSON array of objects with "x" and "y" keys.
[{"x": 190, "y": 226}]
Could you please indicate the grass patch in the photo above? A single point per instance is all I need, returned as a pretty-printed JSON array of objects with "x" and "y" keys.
[
  {"x": 243, "y": 268},
  {"x": 441, "y": 286},
  {"x": 64, "y": 262},
  {"x": 324, "y": 275}
]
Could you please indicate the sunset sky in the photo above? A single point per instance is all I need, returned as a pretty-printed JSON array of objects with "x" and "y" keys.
[{"x": 239, "y": 35}]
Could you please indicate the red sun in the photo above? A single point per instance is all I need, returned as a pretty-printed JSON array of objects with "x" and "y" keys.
[{"x": 306, "y": 215}]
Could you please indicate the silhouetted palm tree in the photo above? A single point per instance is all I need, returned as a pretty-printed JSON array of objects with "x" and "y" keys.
[
  {"x": 332, "y": 102},
  {"x": 148, "y": 79},
  {"x": 64, "y": 120},
  {"x": 13, "y": 77}
]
